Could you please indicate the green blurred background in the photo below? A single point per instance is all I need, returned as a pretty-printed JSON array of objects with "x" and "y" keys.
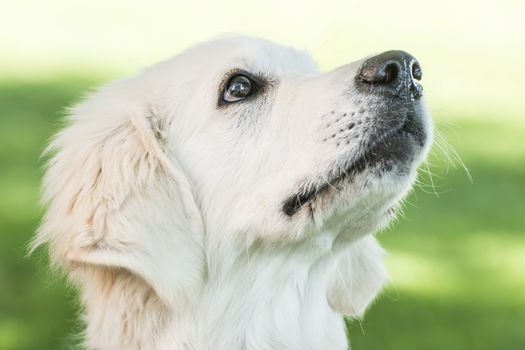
[{"x": 457, "y": 257}]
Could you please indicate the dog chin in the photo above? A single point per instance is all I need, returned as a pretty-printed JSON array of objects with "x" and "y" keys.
[
  {"x": 349, "y": 215},
  {"x": 375, "y": 192},
  {"x": 372, "y": 186}
]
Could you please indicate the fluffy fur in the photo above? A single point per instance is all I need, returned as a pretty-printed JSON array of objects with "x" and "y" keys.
[{"x": 166, "y": 211}]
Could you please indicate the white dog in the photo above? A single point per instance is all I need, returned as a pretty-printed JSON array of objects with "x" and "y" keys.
[{"x": 227, "y": 198}]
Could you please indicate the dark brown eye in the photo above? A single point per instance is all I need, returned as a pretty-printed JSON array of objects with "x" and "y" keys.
[{"x": 238, "y": 87}]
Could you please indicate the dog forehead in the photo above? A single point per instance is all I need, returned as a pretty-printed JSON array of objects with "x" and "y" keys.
[{"x": 252, "y": 54}]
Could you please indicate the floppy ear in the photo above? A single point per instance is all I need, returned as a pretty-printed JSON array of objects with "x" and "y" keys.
[
  {"x": 116, "y": 200},
  {"x": 359, "y": 277}
]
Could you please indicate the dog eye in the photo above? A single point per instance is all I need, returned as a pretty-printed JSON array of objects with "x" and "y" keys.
[{"x": 238, "y": 87}]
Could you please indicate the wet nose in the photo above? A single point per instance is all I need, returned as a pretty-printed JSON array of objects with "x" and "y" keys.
[{"x": 393, "y": 72}]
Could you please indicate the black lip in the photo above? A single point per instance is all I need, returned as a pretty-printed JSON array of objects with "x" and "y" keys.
[{"x": 392, "y": 145}]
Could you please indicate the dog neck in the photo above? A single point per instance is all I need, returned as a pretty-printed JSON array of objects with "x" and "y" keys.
[
  {"x": 269, "y": 301},
  {"x": 261, "y": 301}
]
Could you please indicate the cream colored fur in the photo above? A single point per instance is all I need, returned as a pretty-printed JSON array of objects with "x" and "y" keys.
[{"x": 165, "y": 210}]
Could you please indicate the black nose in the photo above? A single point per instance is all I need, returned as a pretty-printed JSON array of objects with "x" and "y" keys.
[{"x": 394, "y": 72}]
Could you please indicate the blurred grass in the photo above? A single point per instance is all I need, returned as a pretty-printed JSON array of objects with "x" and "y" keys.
[{"x": 457, "y": 257}]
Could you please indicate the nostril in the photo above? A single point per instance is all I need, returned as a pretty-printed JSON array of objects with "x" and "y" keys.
[
  {"x": 390, "y": 73},
  {"x": 382, "y": 74},
  {"x": 417, "y": 73}
]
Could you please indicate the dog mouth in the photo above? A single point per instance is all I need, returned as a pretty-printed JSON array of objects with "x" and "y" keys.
[{"x": 397, "y": 146}]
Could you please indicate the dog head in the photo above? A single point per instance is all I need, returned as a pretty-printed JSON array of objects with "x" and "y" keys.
[
  {"x": 232, "y": 145},
  {"x": 290, "y": 151}
]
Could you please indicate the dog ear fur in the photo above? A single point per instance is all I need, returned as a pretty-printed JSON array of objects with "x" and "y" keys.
[
  {"x": 359, "y": 277},
  {"x": 116, "y": 200}
]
